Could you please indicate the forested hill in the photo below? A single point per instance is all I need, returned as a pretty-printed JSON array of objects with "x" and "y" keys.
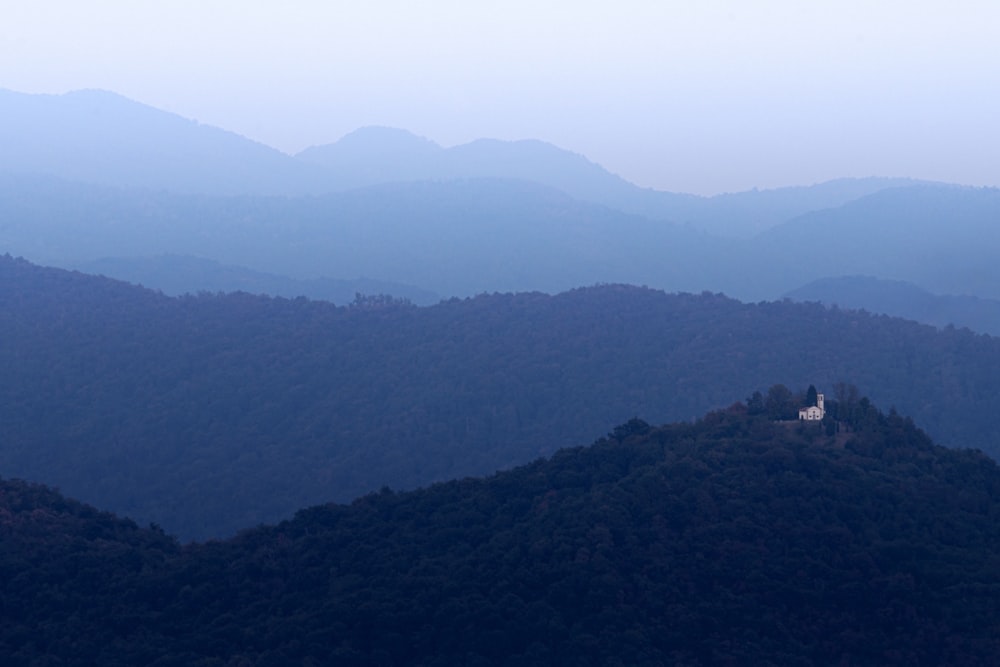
[
  {"x": 732, "y": 540},
  {"x": 210, "y": 414}
]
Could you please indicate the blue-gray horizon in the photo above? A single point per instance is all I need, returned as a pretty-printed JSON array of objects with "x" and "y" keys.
[{"x": 718, "y": 97}]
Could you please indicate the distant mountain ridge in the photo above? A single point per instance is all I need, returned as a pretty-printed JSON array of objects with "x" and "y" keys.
[
  {"x": 376, "y": 155},
  {"x": 943, "y": 238},
  {"x": 91, "y": 175},
  {"x": 902, "y": 299},
  {"x": 102, "y": 138},
  {"x": 458, "y": 238},
  {"x": 453, "y": 238},
  {"x": 94, "y": 136},
  {"x": 387, "y": 155}
]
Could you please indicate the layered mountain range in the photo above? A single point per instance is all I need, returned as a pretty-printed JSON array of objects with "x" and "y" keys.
[
  {"x": 333, "y": 474},
  {"x": 211, "y": 413},
  {"x": 95, "y": 181},
  {"x": 102, "y": 138}
]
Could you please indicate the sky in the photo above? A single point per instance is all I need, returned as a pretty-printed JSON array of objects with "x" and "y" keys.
[{"x": 703, "y": 97}]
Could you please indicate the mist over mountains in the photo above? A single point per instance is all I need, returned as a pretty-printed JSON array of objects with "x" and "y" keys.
[
  {"x": 94, "y": 136},
  {"x": 944, "y": 239},
  {"x": 379, "y": 155},
  {"x": 91, "y": 179},
  {"x": 102, "y": 138},
  {"x": 430, "y": 333},
  {"x": 901, "y": 299},
  {"x": 383, "y": 212},
  {"x": 458, "y": 238}
]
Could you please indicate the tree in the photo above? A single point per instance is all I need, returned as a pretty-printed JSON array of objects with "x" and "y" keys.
[
  {"x": 780, "y": 403},
  {"x": 755, "y": 403},
  {"x": 811, "y": 397}
]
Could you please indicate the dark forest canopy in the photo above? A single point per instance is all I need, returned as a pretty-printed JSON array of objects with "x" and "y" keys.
[
  {"x": 731, "y": 540},
  {"x": 209, "y": 414}
]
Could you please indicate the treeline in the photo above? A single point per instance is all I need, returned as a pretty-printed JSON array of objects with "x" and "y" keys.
[
  {"x": 214, "y": 413},
  {"x": 732, "y": 540}
]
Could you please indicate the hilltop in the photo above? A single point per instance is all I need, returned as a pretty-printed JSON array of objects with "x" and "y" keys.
[{"x": 731, "y": 540}]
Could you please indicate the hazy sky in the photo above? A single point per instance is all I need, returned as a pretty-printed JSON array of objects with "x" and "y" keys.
[{"x": 697, "y": 96}]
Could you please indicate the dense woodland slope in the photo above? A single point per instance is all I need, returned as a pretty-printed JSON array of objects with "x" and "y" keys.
[
  {"x": 733, "y": 540},
  {"x": 209, "y": 414}
]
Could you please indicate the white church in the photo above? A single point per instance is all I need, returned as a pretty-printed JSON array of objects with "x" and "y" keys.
[{"x": 813, "y": 412}]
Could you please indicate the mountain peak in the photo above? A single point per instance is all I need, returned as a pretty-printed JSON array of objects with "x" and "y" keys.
[
  {"x": 97, "y": 94},
  {"x": 379, "y": 134},
  {"x": 372, "y": 144},
  {"x": 96, "y": 136}
]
